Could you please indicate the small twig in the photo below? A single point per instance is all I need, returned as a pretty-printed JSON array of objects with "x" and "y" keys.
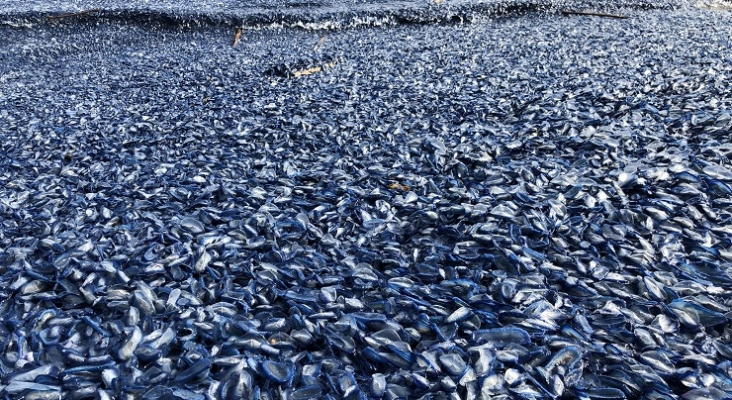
[
  {"x": 52, "y": 17},
  {"x": 320, "y": 42},
  {"x": 237, "y": 36},
  {"x": 594, "y": 14}
]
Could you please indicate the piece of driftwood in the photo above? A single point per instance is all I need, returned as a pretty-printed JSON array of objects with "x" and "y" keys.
[
  {"x": 312, "y": 70},
  {"x": 76, "y": 14},
  {"x": 594, "y": 14}
]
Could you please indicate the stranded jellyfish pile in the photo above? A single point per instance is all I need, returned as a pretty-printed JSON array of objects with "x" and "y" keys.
[{"x": 522, "y": 204}]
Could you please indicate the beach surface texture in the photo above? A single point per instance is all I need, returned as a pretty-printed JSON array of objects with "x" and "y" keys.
[{"x": 365, "y": 200}]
